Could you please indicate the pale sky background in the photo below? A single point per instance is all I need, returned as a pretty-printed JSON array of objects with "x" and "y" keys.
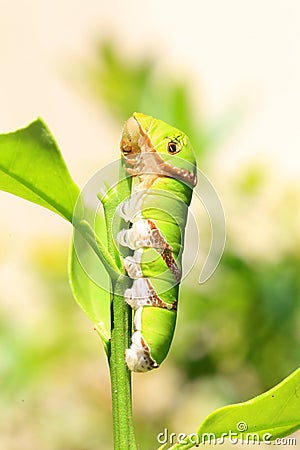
[{"x": 231, "y": 49}]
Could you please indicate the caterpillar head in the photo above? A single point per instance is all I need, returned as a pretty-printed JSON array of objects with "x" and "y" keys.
[
  {"x": 130, "y": 137},
  {"x": 169, "y": 148}
]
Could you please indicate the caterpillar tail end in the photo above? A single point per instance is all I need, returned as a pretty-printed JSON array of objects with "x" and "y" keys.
[{"x": 138, "y": 357}]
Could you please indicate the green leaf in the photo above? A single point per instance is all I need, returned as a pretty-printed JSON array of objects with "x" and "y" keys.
[
  {"x": 271, "y": 415},
  {"x": 89, "y": 282},
  {"x": 93, "y": 297},
  {"x": 31, "y": 167}
]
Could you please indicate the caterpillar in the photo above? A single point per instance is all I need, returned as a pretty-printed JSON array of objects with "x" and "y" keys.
[{"x": 162, "y": 164}]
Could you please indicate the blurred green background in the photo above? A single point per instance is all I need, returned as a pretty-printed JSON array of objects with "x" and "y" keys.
[{"x": 237, "y": 335}]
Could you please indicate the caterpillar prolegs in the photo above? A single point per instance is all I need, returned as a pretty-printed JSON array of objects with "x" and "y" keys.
[{"x": 161, "y": 161}]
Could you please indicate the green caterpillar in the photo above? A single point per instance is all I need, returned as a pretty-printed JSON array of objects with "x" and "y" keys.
[{"x": 162, "y": 163}]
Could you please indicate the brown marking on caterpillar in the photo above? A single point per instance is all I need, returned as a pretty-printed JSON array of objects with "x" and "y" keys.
[
  {"x": 139, "y": 296},
  {"x": 171, "y": 263},
  {"x": 179, "y": 174},
  {"x": 155, "y": 300},
  {"x": 151, "y": 361},
  {"x": 161, "y": 245}
]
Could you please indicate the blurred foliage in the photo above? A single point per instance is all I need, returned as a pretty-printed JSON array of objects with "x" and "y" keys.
[
  {"x": 126, "y": 85},
  {"x": 49, "y": 371},
  {"x": 243, "y": 325}
]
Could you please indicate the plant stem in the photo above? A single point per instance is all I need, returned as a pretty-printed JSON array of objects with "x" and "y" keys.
[
  {"x": 120, "y": 376},
  {"x": 121, "y": 326}
]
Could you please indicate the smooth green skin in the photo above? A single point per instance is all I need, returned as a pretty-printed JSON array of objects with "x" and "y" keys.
[
  {"x": 166, "y": 204},
  {"x": 158, "y": 327},
  {"x": 160, "y": 133}
]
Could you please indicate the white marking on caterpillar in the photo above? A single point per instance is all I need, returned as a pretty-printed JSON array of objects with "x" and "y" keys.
[
  {"x": 131, "y": 209},
  {"x": 139, "y": 294},
  {"x": 138, "y": 357},
  {"x": 137, "y": 322},
  {"x": 143, "y": 233},
  {"x": 132, "y": 265},
  {"x": 139, "y": 236},
  {"x": 142, "y": 293}
]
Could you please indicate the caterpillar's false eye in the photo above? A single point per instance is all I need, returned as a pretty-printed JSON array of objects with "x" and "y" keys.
[{"x": 173, "y": 148}]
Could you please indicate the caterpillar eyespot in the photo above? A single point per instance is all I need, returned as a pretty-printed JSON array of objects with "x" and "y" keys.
[
  {"x": 173, "y": 148},
  {"x": 157, "y": 212}
]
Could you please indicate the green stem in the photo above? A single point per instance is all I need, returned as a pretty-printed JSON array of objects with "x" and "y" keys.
[
  {"x": 120, "y": 376},
  {"x": 121, "y": 326},
  {"x": 121, "y": 320}
]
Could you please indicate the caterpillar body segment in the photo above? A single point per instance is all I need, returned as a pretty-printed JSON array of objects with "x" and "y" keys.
[{"x": 161, "y": 161}]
